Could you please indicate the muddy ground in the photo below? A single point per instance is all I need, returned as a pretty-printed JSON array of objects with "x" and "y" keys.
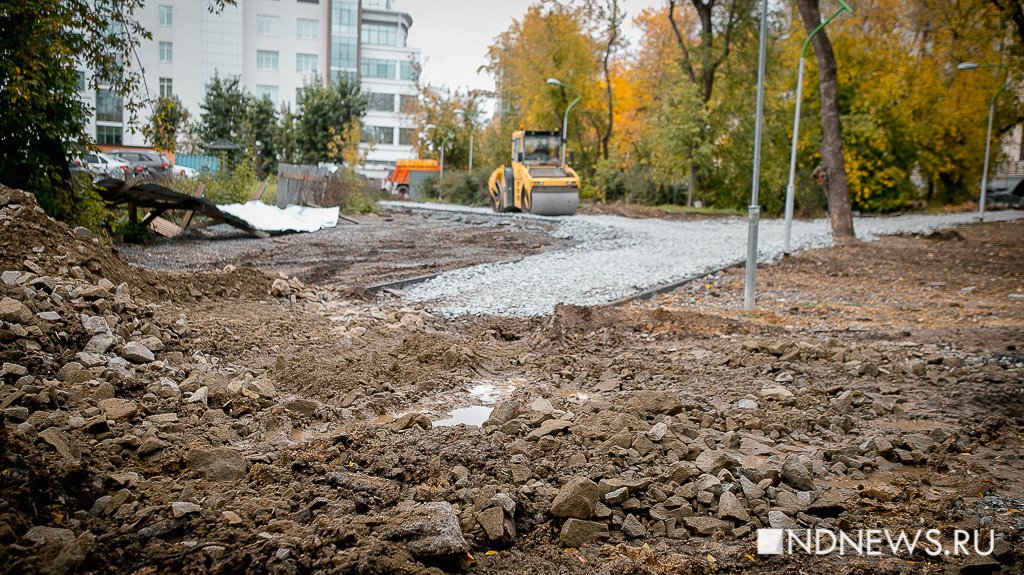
[
  {"x": 231, "y": 421},
  {"x": 360, "y": 251}
]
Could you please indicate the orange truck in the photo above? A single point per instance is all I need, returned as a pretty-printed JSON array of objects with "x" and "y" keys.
[{"x": 404, "y": 181}]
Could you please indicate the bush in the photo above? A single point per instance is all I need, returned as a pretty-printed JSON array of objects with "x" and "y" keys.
[
  {"x": 468, "y": 189},
  {"x": 225, "y": 186},
  {"x": 351, "y": 192}
]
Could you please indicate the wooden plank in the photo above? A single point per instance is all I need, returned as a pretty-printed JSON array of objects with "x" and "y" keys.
[
  {"x": 185, "y": 221},
  {"x": 153, "y": 215},
  {"x": 164, "y": 227},
  {"x": 260, "y": 191}
]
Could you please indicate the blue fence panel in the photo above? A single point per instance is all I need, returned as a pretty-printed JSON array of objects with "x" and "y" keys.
[{"x": 197, "y": 162}]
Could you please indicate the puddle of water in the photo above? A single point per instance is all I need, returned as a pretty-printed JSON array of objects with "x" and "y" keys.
[
  {"x": 489, "y": 392},
  {"x": 474, "y": 415}
]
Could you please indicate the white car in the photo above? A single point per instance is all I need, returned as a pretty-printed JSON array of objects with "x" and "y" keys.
[
  {"x": 184, "y": 171},
  {"x": 104, "y": 165}
]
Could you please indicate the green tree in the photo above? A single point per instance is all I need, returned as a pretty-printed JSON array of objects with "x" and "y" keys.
[
  {"x": 285, "y": 146},
  {"x": 169, "y": 119},
  {"x": 223, "y": 108},
  {"x": 45, "y": 48},
  {"x": 328, "y": 125},
  {"x": 260, "y": 127},
  {"x": 49, "y": 50},
  {"x": 703, "y": 50}
]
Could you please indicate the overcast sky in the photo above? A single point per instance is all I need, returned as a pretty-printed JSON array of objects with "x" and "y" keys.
[{"x": 453, "y": 35}]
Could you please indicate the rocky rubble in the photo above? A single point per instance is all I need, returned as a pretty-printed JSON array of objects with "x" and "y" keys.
[{"x": 152, "y": 430}]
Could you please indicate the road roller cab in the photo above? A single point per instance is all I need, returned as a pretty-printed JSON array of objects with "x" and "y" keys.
[{"x": 536, "y": 181}]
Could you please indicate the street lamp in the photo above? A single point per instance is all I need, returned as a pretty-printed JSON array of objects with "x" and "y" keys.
[
  {"x": 443, "y": 142},
  {"x": 472, "y": 129},
  {"x": 968, "y": 67},
  {"x": 565, "y": 118},
  {"x": 791, "y": 186},
  {"x": 754, "y": 210}
]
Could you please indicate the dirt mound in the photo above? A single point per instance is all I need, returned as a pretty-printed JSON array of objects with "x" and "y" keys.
[{"x": 34, "y": 241}]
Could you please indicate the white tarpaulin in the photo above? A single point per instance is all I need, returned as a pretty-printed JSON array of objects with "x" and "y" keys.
[{"x": 291, "y": 219}]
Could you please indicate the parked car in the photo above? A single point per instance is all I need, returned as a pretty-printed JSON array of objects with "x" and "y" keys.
[
  {"x": 106, "y": 166},
  {"x": 145, "y": 162},
  {"x": 185, "y": 172}
]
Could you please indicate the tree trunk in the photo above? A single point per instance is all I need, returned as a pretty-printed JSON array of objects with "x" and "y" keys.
[
  {"x": 834, "y": 180},
  {"x": 607, "y": 136}
]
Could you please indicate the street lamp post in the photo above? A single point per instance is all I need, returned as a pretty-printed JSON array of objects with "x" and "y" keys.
[
  {"x": 969, "y": 66},
  {"x": 444, "y": 143},
  {"x": 791, "y": 186},
  {"x": 565, "y": 117},
  {"x": 754, "y": 210},
  {"x": 472, "y": 129}
]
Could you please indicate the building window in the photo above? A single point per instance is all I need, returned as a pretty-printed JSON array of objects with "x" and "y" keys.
[
  {"x": 108, "y": 106},
  {"x": 409, "y": 104},
  {"x": 380, "y": 102},
  {"x": 166, "y": 52},
  {"x": 377, "y": 135},
  {"x": 266, "y": 91},
  {"x": 166, "y": 87},
  {"x": 80, "y": 80},
  {"x": 266, "y": 60},
  {"x": 373, "y": 68},
  {"x": 166, "y": 16},
  {"x": 267, "y": 25},
  {"x": 109, "y": 135},
  {"x": 305, "y": 63},
  {"x": 344, "y": 52},
  {"x": 307, "y": 29},
  {"x": 380, "y": 34},
  {"x": 344, "y": 18},
  {"x": 309, "y": 1},
  {"x": 406, "y": 136},
  {"x": 382, "y": 4},
  {"x": 408, "y": 72}
]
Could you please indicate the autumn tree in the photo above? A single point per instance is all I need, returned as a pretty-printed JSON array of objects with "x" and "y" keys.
[
  {"x": 549, "y": 42},
  {"x": 455, "y": 114},
  {"x": 606, "y": 18}
]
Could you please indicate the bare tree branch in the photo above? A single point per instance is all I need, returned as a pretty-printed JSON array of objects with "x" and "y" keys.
[{"x": 686, "y": 64}]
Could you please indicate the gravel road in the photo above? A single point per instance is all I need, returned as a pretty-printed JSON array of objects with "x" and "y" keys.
[{"x": 615, "y": 257}]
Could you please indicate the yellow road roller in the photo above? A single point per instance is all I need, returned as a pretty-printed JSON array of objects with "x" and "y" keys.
[{"x": 537, "y": 182}]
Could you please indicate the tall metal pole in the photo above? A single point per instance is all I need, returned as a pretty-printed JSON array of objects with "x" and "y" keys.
[
  {"x": 565, "y": 126},
  {"x": 754, "y": 212},
  {"x": 984, "y": 172},
  {"x": 791, "y": 186},
  {"x": 988, "y": 132}
]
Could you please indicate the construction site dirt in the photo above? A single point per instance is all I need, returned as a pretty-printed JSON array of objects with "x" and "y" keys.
[
  {"x": 255, "y": 417},
  {"x": 383, "y": 247}
]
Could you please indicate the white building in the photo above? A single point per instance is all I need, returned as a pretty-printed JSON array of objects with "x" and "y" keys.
[{"x": 274, "y": 47}]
